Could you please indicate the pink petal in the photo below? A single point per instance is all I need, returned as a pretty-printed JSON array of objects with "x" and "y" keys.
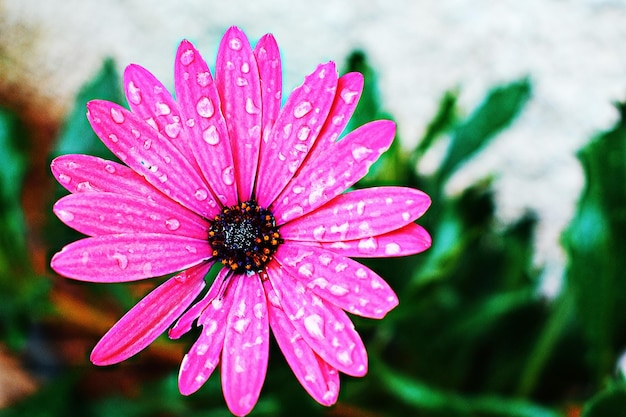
[
  {"x": 318, "y": 378},
  {"x": 150, "y": 317},
  {"x": 294, "y": 132},
  {"x": 408, "y": 240},
  {"x": 349, "y": 87},
  {"x": 324, "y": 327},
  {"x": 151, "y": 101},
  {"x": 359, "y": 214},
  {"x": 148, "y": 153},
  {"x": 332, "y": 172},
  {"x": 85, "y": 173},
  {"x": 246, "y": 346},
  {"x": 129, "y": 257},
  {"x": 239, "y": 86},
  {"x": 203, "y": 120},
  {"x": 340, "y": 280},
  {"x": 99, "y": 213},
  {"x": 204, "y": 356},
  {"x": 185, "y": 321},
  {"x": 270, "y": 71}
]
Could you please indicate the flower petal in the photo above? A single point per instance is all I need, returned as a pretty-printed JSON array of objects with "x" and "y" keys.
[
  {"x": 408, "y": 240},
  {"x": 151, "y": 155},
  {"x": 150, "y": 317},
  {"x": 270, "y": 71},
  {"x": 325, "y": 327},
  {"x": 99, "y": 213},
  {"x": 129, "y": 257},
  {"x": 203, "y": 120},
  {"x": 150, "y": 100},
  {"x": 359, "y": 214},
  {"x": 246, "y": 346},
  {"x": 239, "y": 86},
  {"x": 204, "y": 356},
  {"x": 85, "y": 173},
  {"x": 332, "y": 172},
  {"x": 349, "y": 87},
  {"x": 318, "y": 378},
  {"x": 295, "y": 131},
  {"x": 340, "y": 280}
]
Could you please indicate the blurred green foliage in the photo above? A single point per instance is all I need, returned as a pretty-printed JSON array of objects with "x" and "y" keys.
[{"x": 472, "y": 336}]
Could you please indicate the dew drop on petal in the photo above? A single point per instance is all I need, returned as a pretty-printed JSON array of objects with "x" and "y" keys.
[
  {"x": 367, "y": 245},
  {"x": 122, "y": 260},
  {"x": 345, "y": 358},
  {"x": 306, "y": 270},
  {"x": 314, "y": 325},
  {"x": 245, "y": 68},
  {"x": 348, "y": 95},
  {"x": 162, "y": 109},
  {"x": 392, "y": 248},
  {"x": 205, "y": 107},
  {"x": 187, "y": 57},
  {"x": 147, "y": 144},
  {"x": 210, "y": 135},
  {"x": 203, "y": 78},
  {"x": 109, "y": 168},
  {"x": 241, "y": 325},
  {"x": 360, "y": 152},
  {"x": 117, "y": 115},
  {"x": 251, "y": 108},
  {"x": 241, "y": 82},
  {"x": 202, "y": 349},
  {"x": 134, "y": 93},
  {"x": 65, "y": 216},
  {"x": 302, "y": 109},
  {"x": 337, "y": 120},
  {"x": 172, "y": 129},
  {"x": 228, "y": 175},
  {"x": 235, "y": 44},
  {"x": 172, "y": 224},
  {"x": 65, "y": 179},
  {"x": 303, "y": 133},
  {"x": 338, "y": 290},
  {"x": 147, "y": 268},
  {"x": 201, "y": 194}
]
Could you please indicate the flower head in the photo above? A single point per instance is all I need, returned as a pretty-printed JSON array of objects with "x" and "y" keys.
[{"x": 223, "y": 175}]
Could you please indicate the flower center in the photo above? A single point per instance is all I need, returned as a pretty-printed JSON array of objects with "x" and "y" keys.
[{"x": 244, "y": 237}]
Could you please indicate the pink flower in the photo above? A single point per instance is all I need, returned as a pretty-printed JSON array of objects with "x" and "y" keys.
[{"x": 223, "y": 175}]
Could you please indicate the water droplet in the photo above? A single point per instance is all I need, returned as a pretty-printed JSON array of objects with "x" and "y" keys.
[
  {"x": 348, "y": 95},
  {"x": 245, "y": 68},
  {"x": 191, "y": 249},
  {"x": 122, "y": 260},
  {"x": 392, "y": 248},
  {"x": 360, "y": 207},
  {"x": 201, "y": 194},
  {"x": 172, "y": 224},
  {"x": 251, "y": 108},
  {"x": 84, "y": 186},
  {"x": 241, "y": 325},
  {"x": 361, "y": 273},
  {"x": 134, "y": 93},
  {"x": 147, "y": 268},
  {"x": 117, "y": 115},
  {"x": 360, "y": 152},
  {"x": 163, "y": 178},
  {"x": 241, "y": 82},
  {"x": 109, "y": 168},
  {"x": 65, "y": 216},
  {"x": 162, "y": 109},
  {"x": 204, "y": 78},
  {"x": 210, "y": 135},
  {"x": 306, "y": 270},
  {"x": 368, "y": 245},
  {"x": 292, "y": 212},
  {"x": 301, "y": 147},
  {"x": 201, "y": 349},
  {"x": 345, "y": 358},
  {"x": 172, "y": 129},
  {"x": 152, "y": 123},
  {"x": 303, "y": 133},
  {"x": 147, "y": 144},
  {"x": 337, "y": 120},
  {"x": 406, "y": 216},
  {"x": 302, "y": 109},
  {"x": 319, "y": 232},
  {"x": 314, "y": 325},
  {"x": 65, "y": 179},
  {"x": 136, "y": 133},
  {"x": 187, "y": 57},
  {"x": 205, "y": 108},
  {"x": 228, "y": 175},
  {"x": 190, "y": 122},
  {"x": 338, "y": 290},
  {"x": 235, "y": 44},
  {"x": 287, "y": 130}
]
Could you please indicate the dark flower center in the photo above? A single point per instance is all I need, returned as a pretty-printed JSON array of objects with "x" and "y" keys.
[{"x": 244, "y": 237}]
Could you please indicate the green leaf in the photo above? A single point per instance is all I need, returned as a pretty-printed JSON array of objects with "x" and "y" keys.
[
  {"x": 77, "y": 135},
  {"x": 443, "y": 121},
  {"x": 608, "y": 403},
  {"x": 500, "y": 107},
  {"x": 595, "y": 244}
]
